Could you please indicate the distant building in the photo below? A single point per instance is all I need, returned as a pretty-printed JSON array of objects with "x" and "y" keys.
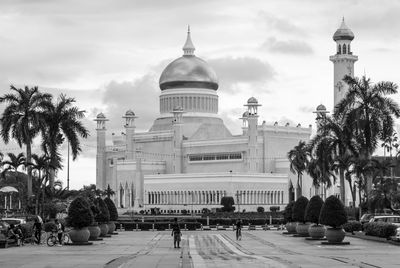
[{"x": 189, "y": 160}]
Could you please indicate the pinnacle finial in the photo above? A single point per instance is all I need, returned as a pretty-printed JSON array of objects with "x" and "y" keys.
[{"x": 188, "y": 48}]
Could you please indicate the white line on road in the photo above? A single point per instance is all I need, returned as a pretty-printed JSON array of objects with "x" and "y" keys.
[
  {"x": 198, "y": 261},
  {"x": 241, "y": 253}
]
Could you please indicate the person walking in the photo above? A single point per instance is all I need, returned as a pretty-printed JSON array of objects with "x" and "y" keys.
[
  {"x": 37, "y": 228},
  {"x": 176, "y": 233},
  {"x": 239, "y": 229}
]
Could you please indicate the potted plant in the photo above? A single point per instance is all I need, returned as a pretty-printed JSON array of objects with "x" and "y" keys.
[
  {"x": 299, "y": 209},
  {"x": 79, "y": 218},
  {"x": 287, "y": 214},
  {"x": 313, "y": 209},
  {"x": 113, "y": 214},
  {"x": 333, "y": 215},
  {"x": 103, "y": 217}
]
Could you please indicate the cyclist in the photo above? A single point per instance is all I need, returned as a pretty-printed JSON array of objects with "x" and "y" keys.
[
  {"x": 37, "y": 228},
  {"x": 239, "y": 229},
  {"x": 59, "y": 230}
]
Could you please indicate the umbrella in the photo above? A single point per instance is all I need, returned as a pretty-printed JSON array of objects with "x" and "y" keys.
[{"x": 8, "y": 189}]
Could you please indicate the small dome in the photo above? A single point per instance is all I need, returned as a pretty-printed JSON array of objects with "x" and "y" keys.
[
  {"x": 129, "y": 113},
  {"x": 245, "y": 114},
  {"x": 252, "y": 100},
  {"x": 343, "y": 33},
  {"x": 321, "y": 107},
  {"x": 101, "y": 115}
]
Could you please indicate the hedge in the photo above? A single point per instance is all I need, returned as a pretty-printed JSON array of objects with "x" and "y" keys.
[
  {"x": 380, "y": 229},
  {"x": 352, "y": 226},
  {"x": 145, "y": 226}
]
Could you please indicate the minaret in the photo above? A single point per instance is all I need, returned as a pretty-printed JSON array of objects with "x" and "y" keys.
[
  {"x": 130, "y": 132},
  {"x": 252, "y": 122},
  {"x": 101, "y": 151},
  {"x": 188, "y": 47},
  {"x": 177, "y": 125},
  {"x": 343, "y": 61}
]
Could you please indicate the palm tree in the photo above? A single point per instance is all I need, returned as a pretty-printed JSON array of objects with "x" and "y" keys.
[
  {"x": 22, "y": 119},
  {"x": 298, "y": 158},
  {"x": 13, "y": 164},
  {"x": 373, "y": 110},
  {"x": 42, "y": 164},
  {"x": 62, "y": 122}
]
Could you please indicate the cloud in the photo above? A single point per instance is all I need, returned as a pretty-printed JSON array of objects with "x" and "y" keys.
[
  {"x": 287, "y": 47},
  {"x": 140, "y": 95},
  {"x": 232, "y": 72},
  {"x": 306, "y": 109},
  {"x": 280, "y": 25}
]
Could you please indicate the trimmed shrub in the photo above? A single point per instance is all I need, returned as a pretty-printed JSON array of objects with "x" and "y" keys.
[
  {"x": 380, "y": 229},
  {"x": 227, "y": 202},
  {"x": 111, "y": 208},
  {"x": 288, "y": 212},
  {"x": 79, "y": 213},
  {"x": 352, "y": 226},
  {"x": 104, "y": 215},
  {"x": 333, "y": 213},
  {"x": 299, "y": 209},
  {"x": 313, "y": 209},
  {"x": 260, "y": 209},
  {"x": 184, "y": 211}
]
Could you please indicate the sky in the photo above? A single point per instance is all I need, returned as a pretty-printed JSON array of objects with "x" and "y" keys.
[{"x": 109, "y": 55}]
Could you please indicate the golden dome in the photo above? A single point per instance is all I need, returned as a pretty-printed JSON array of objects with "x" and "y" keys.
[{"x": 188, "y": 71}]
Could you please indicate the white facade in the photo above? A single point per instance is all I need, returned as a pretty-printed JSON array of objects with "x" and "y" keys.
[{"x": 189, "y": 160}]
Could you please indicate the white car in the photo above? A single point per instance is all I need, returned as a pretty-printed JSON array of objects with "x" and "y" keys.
[
  {"x": 393, "y": 219},
  {"x": 14, "y": 221}
]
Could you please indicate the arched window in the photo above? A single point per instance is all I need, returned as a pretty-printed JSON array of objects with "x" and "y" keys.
[
  {"x": 348, "y": 48},
  {"x": 339, "y": 49},
  {"x": 344, "y": 49}
]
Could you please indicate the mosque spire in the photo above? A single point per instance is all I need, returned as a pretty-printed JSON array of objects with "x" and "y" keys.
[{"x": 188, "y": 48}]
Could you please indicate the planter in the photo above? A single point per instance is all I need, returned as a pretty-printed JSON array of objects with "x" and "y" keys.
[
  {"x": 317, "y": 231},
  {"x": 111, "y": 227},
  {"x": 302, "y": 229},
  {"x": 94, "y": 232},
  {"x": 79, "y": 235},
  {"x": 291, "y": 227},
  {"x": 335, "y": 235},
  {"x": 103, "y": 229}
]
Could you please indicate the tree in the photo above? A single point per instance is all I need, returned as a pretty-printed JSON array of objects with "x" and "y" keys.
[
  {"x": 288, "y": 212},
  {"x": 374, "y": 111},
  {"x": 111, "y": 208},
  {"x": 299, "y": 209},
  {"x": 79, "y": 213},
  {"x": 313, "y": 209},
  {"x": 333, "y": 213},
  {"x": 109, "y": 192},
  {"x": 260, "y": 209},
  {"x": 22, "y": 119},
  {"x": 42, "y": 165},
  {"x": 298, "y": 158},
  {"x": 227, "y": 202},
  {"x": 104, "y": 215},
  {"x": 62, "y": 122}
]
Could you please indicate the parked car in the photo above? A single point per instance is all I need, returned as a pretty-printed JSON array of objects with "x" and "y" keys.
[
  {"x": 366, "y": 218},
  {"x": 14, "y": 221},
  {"x": 393, "y": 219}
]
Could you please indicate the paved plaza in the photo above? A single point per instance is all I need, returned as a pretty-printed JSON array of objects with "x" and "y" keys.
[{"x": 204, "y": 249}]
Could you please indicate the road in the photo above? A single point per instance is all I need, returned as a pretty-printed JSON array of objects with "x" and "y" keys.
[{"x": 205, "y": 249}]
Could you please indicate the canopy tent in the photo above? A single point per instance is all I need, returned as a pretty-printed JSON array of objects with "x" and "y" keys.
[{"x": 8, "y": 189}]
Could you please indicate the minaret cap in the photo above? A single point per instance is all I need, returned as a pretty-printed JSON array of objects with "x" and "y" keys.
[
  {"x": 188, "y": 48},
  {"x": 343, "y": 33}
]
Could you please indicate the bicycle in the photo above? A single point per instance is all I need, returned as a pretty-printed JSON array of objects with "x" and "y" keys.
[
  {"x": 33, "y": 240},
  {"x": 52, "y": 240}
]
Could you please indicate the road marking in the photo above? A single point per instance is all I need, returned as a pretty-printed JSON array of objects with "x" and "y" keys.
[
  {"x": 240, "y": 253},
  {"x": 198, "y": 261}
]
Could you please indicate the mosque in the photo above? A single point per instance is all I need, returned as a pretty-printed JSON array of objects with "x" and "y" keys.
[{"x": 189, "y": 159}]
